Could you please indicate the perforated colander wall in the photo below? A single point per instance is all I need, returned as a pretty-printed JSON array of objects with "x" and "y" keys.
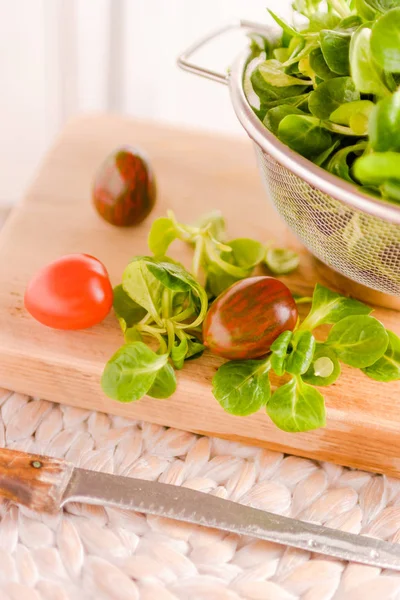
[{"x": 363, "y": 248}]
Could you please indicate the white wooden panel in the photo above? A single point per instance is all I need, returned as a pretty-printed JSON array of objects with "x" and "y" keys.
[
  {"x": 156, "y": 31},
  {"x": 93, "y": 33},
  {"x": 62, "y": 57},
  {"x": 22, "y": 97}
]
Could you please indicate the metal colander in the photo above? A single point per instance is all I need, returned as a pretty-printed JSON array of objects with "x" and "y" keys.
[{"x": 353, "y": 233}]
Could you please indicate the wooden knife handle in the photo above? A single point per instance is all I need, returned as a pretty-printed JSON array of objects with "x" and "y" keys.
[{"x": 37, "y": 482}]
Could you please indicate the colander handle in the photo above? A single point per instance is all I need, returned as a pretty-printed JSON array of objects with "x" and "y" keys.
[{"x": 187, "y": 65}]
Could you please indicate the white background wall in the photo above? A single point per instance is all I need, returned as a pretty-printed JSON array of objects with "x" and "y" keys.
[{"x": 63, "y": 57}]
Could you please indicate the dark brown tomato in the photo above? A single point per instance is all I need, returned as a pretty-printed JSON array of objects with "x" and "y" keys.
[
  {"x": 124, "y": 189},
  {"x": 246, "y": 318}
]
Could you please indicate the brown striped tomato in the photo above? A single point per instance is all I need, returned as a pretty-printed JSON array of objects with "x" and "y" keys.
[
  {"x": 246, "y": 318},
  {"x": 124, "y": 189}
]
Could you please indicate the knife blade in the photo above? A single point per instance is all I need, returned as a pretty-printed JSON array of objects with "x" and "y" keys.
[{"x": 47, "y": 484}]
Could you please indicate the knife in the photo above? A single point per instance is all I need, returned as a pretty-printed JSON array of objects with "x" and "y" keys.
[{"x": 46, "y": 484}]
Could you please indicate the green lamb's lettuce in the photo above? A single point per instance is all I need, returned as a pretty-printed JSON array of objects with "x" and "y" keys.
[
  {"x": 161, "y": 307},
  {"x": 159, "y": 301},
  {"x": 328, "y": 89},
  {"x": 302, "y": 352},
  {"x": 305, "y": 135},
  {"x": 384, "y": 125},
  {"x": 164, "y": 384},
  {"x": 358, "y": 341},
  {"x": 324, "y": 368},
  {"x": 242, "y": 387},
  {"x": 297, "y": 406},
  {"x": 331, "y": 95},
  {"x": 385, "y": 41},
  {"x": 281, "y": 261},
  {"x": 329, "y": 307},
  {"x": 387, "y": 368},
  {"x": 222, "y": 262},
  {"x": 335, "y": 49},
  {"x": 355, "y": 339},
  {"x": 127, "y": 310},
  {"x": 132, "y": 371},
  {"x": 367, "y": 75}
]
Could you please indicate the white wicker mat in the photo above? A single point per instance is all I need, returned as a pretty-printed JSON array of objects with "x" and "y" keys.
[{"x": 97, "y": 553}]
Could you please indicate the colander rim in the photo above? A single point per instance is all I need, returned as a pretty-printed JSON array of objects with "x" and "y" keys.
[{"x": 314, "y": 175}]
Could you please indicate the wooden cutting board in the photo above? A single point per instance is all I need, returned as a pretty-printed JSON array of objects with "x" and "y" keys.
[{"x": 196, "y": 173}]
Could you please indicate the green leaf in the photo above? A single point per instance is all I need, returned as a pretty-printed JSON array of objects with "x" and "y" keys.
[
  {"x": 380, "y": 6},
  {"x": 162, "y": 233},
  {"x": 180, "y": 301},
  {"x": 179, "y": 351},
  {"x": 267, "y": 92},
  {"x": 279, "y": 349},
  {"x": 385, "y": 41},
  {"x": 342, "y": 130},
  {"x": 228, "y": 263},
  {"x": 300, "y": 48},
  {"x": 281, "y": 54},
  {"x": 307, "y": 9},
  {"x": 297, "y": 407},
  {"x": 223, "y": 267},
  {"x": 391, "y": 189},
  {"x": 275, "y": 115},
  {"x": 304, "y": 135},
  {"x": 323, "y": 157},
  {"x": 246, "y": 253},
  {"x": 126, "y": 309},
  {"x": 376, "y": 168},
  {"x": 242, "y": 387},
  {"x": 319, "y": 65},
  {"x": 364, "y": 10},
  {"x": 359, "y": 341},
  {"x": 328, "y": 307},
  {"x": 387, "y": 368},
  {"x": 174, "y": 276},
  {"x": 346, "y": 112},
  {"x": 322, "y": 20},
  {"x": 349, "y": 24},
  {"x": 142, "y": 287},
  {"x": 259, "y": 44},
  {"x": 335, "y": 48},
  {"x": 273, "y": 73},
  {"x": 300, "y": 101},
  {"x": 366, "y": 74},
  {"x": 330, "y": 95},
  {"x": 215, "y": 223},
  {"x": 296, "y": 45},
  {"x": 131, "y": 372},
  {"x": 325, "y": 367},
  {"x": 354, "y": 115},
  {"x": 281, "y": 260},
  {"x": 218, "y": 280},
  {"x": 342, "y": 160},
  {"x": 384, "y": 125},
  {"x": 132, "y": 335},
  {"x": 285, "y": 26},
  {"x": 302, "y": 352},
  {"x": 164, "y": 384},
  {"x": 195, "y": 348}
]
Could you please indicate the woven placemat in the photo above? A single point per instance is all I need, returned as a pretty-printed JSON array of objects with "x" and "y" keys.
[{"x": 105, "y": 553}]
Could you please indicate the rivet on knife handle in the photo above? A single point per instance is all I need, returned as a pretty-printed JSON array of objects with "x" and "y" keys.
[{"x": 32, "y": 480}]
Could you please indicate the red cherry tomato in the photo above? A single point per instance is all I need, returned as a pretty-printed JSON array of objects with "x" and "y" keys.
[
  {"x": 72, "y": 292},
  {"x": 246, "y": 318}
]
